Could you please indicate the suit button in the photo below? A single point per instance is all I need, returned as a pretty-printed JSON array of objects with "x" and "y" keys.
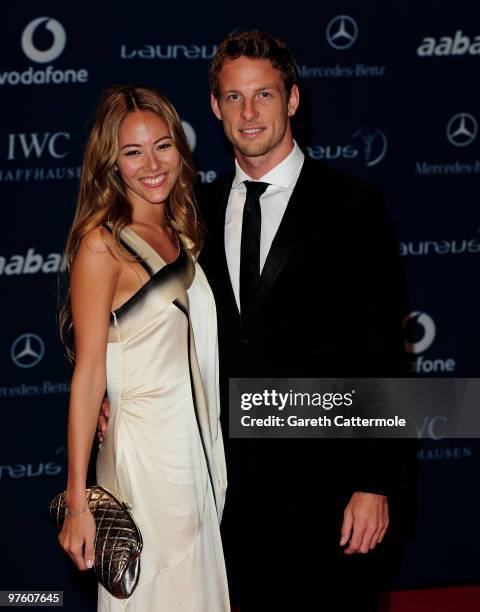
[{"x": 245, "y": 341}]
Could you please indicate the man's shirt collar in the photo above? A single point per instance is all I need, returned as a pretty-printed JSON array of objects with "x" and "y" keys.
[{"x": 281, "y": 176}]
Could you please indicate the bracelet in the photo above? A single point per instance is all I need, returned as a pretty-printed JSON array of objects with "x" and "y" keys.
[{"x": 69, "y": 514}]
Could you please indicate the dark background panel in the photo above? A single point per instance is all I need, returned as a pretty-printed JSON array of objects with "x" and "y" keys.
[{"x": 374, "y": 108}]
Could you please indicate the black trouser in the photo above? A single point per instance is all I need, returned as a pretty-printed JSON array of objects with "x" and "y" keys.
[{"x": 281, "y": 533}]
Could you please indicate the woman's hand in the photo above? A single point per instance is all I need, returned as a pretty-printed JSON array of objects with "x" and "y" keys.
[{"x": 77, "y": 538}]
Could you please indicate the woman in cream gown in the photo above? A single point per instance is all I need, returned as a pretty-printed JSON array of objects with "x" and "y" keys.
[
  {"x": 153, "y": 454},
  {"x": 145, "y": 332}
]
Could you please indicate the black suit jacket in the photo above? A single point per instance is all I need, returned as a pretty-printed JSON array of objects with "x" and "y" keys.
[{"x": 329, "y": 304}]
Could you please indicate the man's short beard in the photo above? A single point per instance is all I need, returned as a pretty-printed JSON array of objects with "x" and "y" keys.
[
  {"x": 263, "y": 148},
  {"x": 258, "y": 153}
]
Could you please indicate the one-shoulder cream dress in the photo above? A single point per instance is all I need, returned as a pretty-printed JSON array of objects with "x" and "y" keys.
[{"x": 162, "y": 362}]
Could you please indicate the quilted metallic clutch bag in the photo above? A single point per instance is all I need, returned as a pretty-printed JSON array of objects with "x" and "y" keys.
[{"x": 118, "y": 543}]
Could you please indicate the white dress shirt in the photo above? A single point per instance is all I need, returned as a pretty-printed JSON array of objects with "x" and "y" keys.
[{"x": 273, "y": 203}]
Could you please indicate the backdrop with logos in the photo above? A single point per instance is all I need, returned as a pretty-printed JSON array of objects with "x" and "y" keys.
[{"x": 389, "y": 95}]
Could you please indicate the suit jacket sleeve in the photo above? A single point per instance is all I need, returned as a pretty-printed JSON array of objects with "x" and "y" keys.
[{"x": 377, "y": 280}]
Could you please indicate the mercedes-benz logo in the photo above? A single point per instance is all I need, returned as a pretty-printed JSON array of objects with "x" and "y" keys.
[
  {"x": 342, "y": 32},
  {"x": 27, "y": 350},
  {"x": 412, "y": 324},
  {"x": 374, "y": 144},
  {"x": 462, "y": 129}
]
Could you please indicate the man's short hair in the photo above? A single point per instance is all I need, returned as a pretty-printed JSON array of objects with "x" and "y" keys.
[{"x": 254, "y": 45}]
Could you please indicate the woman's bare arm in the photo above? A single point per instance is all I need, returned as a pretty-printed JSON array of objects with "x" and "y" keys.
[{"x": 93, "y": 282}]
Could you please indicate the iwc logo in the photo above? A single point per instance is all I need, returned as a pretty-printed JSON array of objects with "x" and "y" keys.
[
  {"x": 26, "y": 148},
  {"x": 36, "y": 144},
  {"x": 58, "y": 42},
  {"x": 27, "y": 350},
  {"x": 342, "y": 32},
  {"x": 462, "y": 129}
]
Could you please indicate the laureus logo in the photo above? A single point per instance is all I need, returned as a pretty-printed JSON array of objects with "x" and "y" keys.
[
  {"x": 374, "y": 144},
  {"x": 58, "y": 42},
  {"x": 368, "y": 144},
  {"x": 36, "y": 468}
]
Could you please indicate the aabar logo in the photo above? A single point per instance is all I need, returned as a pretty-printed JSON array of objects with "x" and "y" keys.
[
  {"x": 32, "y": 263},
  {"x": 458, "y": 44}
]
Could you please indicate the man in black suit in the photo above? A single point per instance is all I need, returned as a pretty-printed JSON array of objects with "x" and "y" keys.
[{"x": 302, "y": 262}]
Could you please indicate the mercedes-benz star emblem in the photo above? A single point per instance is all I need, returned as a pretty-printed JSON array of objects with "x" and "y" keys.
[
  {"x": 27, "y": 350},
  {"x": 462, "y": 129},
  {"x": 342, "y": 32}
]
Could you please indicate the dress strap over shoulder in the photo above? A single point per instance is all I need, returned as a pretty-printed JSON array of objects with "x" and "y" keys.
[{"x": 147, "y": 257}]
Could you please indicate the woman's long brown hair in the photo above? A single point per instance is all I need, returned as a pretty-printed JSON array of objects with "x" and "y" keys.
[{"x": 102, "y": 196}]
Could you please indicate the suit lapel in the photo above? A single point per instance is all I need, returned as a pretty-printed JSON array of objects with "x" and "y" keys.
[{"x": 224, "y": 273}]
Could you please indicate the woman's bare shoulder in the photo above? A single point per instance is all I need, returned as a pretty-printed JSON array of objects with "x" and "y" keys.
[
  {"x": 98, "y": 240},
  {"x": 97, "y": 249}
]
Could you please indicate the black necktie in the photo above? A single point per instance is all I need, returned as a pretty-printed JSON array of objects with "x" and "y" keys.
[{"x": 250, "y": 246}]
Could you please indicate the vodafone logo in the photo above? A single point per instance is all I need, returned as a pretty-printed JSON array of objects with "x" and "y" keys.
[
  {"x": 58, "y": 42},
  {"x": 43, "y": 40},
  {"x": 190, "y": 135},
  {"x": 420, "y": 332}
]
